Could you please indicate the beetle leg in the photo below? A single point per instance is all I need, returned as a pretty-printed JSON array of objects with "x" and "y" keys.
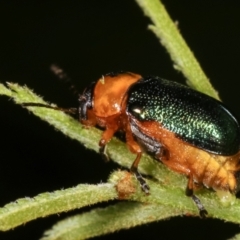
[
  {"x": 135, "y": 148},
  {"x": 134, "y": 169},
  {"x": 102, "y": 149},
  {"x": 202, "y": 211},
  {"x": 106, "y": 137},
  {"x": 189, "y": 188},
  {"x": 189, "y": 192}
]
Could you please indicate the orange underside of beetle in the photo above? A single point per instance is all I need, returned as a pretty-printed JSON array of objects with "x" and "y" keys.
[{"x": 211, "y": 170}]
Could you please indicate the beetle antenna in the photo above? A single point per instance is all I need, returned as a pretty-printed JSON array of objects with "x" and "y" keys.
[{"x": 62, "y": 75}]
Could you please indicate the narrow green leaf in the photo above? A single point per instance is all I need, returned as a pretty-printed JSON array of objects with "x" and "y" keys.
[
  {"x": 169, "y": 35},
  {"x": 236, "y": 237},
  {"x": 5, "y": 91},
  {"x": 26, "y": 209},
  {"x": 111, "y": 219}
]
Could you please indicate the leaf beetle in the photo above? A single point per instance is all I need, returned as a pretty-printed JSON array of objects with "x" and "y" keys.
[{"x": 188, "y": 131}]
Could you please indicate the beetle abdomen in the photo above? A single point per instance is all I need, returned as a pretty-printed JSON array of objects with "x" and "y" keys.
[
  {"x": 194, "y": 117},
  {"x": 205, "y": 168}
]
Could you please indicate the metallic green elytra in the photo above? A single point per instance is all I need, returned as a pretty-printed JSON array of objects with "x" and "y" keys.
[{"x": 193, "y": 116}]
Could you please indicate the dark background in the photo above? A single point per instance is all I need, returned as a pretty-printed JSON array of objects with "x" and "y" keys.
[{"x": 87, "y": 39}]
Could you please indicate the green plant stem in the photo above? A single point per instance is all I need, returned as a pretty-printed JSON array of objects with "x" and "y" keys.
[
  {"x": 169, "y": 35},
  {"x": 26, "y": 209},
  {"x": 111, "y": 219}
]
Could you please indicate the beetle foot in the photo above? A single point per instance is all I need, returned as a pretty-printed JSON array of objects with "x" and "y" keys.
[
  {"x": 142, "y": 182},
  {"x": 202, "y": 211}
]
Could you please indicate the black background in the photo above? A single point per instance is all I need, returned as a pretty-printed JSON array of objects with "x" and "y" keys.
[{"x": 87, "y": 39}]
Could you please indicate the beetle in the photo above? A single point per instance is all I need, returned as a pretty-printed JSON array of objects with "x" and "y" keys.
[{"x": 189, "y": 132}]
